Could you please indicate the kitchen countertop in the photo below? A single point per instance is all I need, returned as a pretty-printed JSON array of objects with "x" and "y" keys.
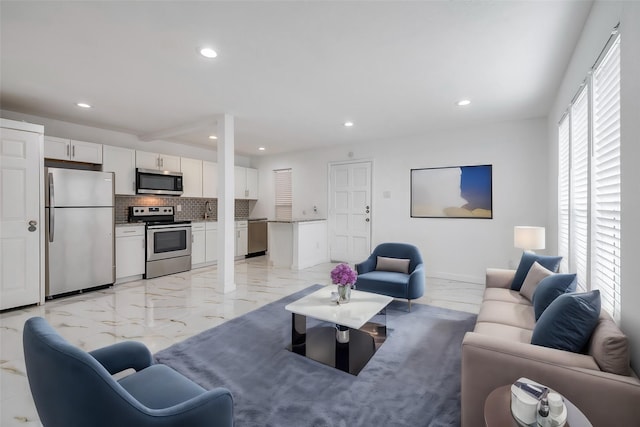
[
  {"x": 294, "y": 221},
  {"x": 132, "y": 224}
]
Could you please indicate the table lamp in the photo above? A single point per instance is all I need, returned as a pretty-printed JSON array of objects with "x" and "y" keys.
[{"x": 528, "y": 238}]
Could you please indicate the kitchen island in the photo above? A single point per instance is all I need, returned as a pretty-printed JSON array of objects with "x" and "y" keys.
[{"x": 298, "y": 244}]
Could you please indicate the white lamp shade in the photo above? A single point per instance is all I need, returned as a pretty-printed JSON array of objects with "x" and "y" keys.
[{"x": 528, "y": 238}]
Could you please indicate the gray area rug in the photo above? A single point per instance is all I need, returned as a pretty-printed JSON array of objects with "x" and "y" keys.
[{"x": 413, "y": 379}]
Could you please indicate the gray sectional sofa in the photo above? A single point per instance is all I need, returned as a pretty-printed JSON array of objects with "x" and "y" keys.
[{"x": 498, "y": 352}]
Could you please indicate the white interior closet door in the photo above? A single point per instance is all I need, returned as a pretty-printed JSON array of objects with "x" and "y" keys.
[
  {"x": 350, "y": 211},
  {"x": 20, "y": 219}
]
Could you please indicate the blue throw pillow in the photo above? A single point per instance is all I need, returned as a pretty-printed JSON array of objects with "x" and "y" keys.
[
  {"x": 551, "y": 263},
  {"x": 568, "y": 322},
  {"x": 550, "y": 288}
]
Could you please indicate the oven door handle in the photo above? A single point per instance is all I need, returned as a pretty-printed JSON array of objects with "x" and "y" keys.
[{"x": 169, "y": 227}]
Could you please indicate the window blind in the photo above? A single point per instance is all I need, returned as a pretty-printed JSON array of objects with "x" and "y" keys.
[
  {"x": 605, "y": 274},
  {"x": 563, "y": 193},
  {"x": 579, "y": 199},
  {"x": 284, "y": 198}
]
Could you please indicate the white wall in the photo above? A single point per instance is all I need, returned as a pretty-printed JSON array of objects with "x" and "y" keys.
[
  {"x": 604, "y": 16},
  {"x": 452, "y": 248},
  {"x": 121, "y": 139}
]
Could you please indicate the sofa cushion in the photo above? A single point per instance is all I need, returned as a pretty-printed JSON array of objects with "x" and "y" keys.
[
  {"x": 159, "y": 386},
  {"x": 528, "y": 258},
  {"x": 568, "y": 322},
  {"x": 534, "y": 276},
  {"x": 399, "y": 265},
  {"x": 550, "y": 288},
  {"x": 610, "y": 347},
  {"x": 506, "y": 295},
  {"x": 384, "y": 282},
  {"x": 507, "y": 332},
  {"x": 507, "y": 313}
]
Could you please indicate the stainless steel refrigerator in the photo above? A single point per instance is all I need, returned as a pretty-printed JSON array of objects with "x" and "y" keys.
[{"x": 79, "y": 229}]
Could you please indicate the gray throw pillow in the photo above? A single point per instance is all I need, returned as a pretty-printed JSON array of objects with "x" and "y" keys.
[
  {"x": 399, "y": 265},
  {"x": 534, "y": 276}
]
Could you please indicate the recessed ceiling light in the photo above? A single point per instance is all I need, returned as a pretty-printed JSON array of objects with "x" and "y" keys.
[
  {"x": 207, "y": 52},
  {"x": 261, "y": 148},
  {"x": 213, "y": 137},
  {"x": 348, "y": 124},
  {"x": 463, "y": 103},
  {"x": 83, "y": 105}
]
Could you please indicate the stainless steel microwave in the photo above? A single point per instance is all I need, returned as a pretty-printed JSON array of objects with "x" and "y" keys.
[{"x": 150, "y": 181}]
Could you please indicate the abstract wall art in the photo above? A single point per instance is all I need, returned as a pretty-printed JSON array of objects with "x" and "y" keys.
[{"x": 452, "y": 192}]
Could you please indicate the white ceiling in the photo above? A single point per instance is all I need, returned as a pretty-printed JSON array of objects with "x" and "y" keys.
[{"x": 290, "y": 72}]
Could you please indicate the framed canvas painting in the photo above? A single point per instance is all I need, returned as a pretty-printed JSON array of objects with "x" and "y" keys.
[{"x": 452, "y": 192}]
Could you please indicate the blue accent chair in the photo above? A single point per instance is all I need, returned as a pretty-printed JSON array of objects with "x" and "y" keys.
[
  {"x": 393, "y": 283},
  {"x": 73, "y": 388}
]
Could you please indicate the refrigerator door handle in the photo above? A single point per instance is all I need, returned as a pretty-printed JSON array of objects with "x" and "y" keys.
[{"x": 52, "y": 216}]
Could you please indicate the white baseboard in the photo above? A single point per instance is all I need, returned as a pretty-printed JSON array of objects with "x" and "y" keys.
[{"x": 457, "y": 277}]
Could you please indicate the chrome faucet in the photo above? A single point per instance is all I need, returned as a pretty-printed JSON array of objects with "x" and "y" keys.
[{"x": 207, "y": 209}]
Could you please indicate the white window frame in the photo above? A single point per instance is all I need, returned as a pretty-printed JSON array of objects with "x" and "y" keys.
[{"x": 589, "y": 220}]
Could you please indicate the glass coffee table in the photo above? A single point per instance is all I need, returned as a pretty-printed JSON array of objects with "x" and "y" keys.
[{"x": 348, "y": 334}]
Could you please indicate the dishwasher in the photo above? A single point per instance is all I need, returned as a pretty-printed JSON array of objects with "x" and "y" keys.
[{"x": 257, "y": 237}]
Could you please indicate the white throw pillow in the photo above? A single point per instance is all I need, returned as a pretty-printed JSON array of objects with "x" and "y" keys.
[{"x": 534, "y": 276}]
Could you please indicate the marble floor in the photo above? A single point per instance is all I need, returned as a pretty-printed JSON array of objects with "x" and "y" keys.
[{"x": 166, "y": 310}]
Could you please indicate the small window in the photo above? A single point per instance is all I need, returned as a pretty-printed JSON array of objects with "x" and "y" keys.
[{"x": 283, "y": 194}]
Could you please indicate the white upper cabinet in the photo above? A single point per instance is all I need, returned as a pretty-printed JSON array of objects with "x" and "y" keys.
[
  {"x": 121, "y": 161},
  {"x": 57, "y": 148},
  {"x": 191, "y": 177},
  {"x": 252, "y": 183},
  {"x": 209, "y": 180},
  {"x": 246, "y": 183},
  {"x": 69, "y": 149},
  {"x": 164, "y": 162},
  {"x": 240, "y": 182}
]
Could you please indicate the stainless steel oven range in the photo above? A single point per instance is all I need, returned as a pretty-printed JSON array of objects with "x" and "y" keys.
[{"x": 168, "y": 241}]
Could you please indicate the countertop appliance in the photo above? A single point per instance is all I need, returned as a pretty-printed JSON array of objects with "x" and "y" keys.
[
  {"x": 150, "y": 181},
  {"x": 79, "y": 229},
  {"x": 257, "y": 237},
  {"x": 168, "y": 240}
]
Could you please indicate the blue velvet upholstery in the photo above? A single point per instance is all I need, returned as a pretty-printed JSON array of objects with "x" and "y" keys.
[
  {"x": 550, "y": 288},
  {"x": 71, "y": 387},
  {"x": 393, "y": 284},
  {"x": 568, "y": 322},
  {"x": 551, "y": 263}
]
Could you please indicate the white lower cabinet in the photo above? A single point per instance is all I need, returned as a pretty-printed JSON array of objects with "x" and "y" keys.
[
  {"x": 211, "y": 252},
  {"x": 130, "y": 252},
  {"x": 204, "y": 246},
  {"x": 198, "y": 243},
  {"x": 242, "y": 238}
]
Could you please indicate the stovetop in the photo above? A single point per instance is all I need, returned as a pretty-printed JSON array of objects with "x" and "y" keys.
[
  {"x": 154, "y": 215},
  {"x": 166, "y": 222}
]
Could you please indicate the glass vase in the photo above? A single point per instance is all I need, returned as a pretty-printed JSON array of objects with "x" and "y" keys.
[{"x": 344, "y": 294}]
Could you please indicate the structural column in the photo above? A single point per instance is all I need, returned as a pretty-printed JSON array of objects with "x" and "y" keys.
[{"x": 226, "y": 204}]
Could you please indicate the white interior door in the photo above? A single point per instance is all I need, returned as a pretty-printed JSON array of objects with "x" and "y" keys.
[
  {"x": 20, "y": 222},
  {"x": 350, "y": 212}
]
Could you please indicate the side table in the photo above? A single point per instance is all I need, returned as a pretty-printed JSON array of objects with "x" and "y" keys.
[{"x": 497, "y": 411}]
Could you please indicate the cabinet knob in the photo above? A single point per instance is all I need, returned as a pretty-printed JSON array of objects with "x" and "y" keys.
[{"x": 32, "y": 225}]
